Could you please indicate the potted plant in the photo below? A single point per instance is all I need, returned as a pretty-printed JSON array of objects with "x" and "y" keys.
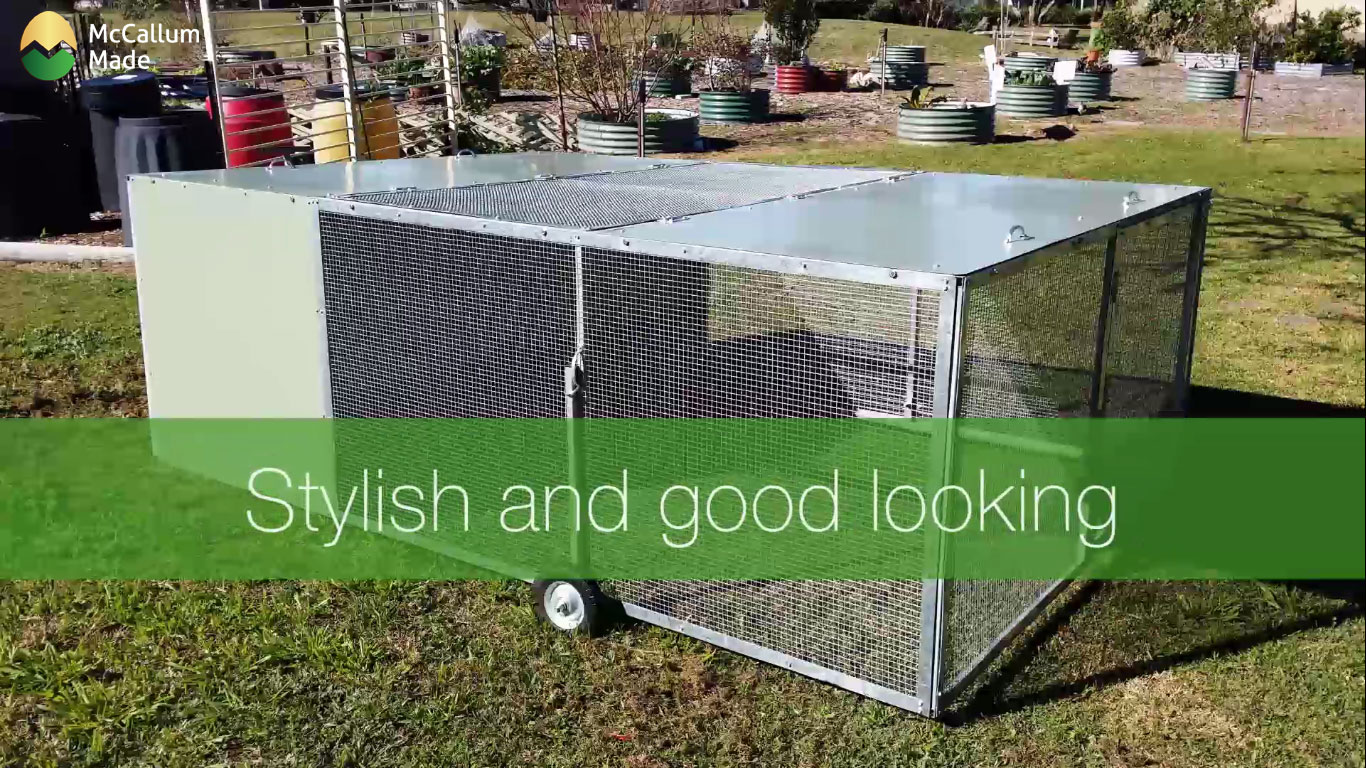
[
  {"x": 794, "y": 24},
  {"x": 481, "y": 70},
  {"x": 668, "y": 72},
  {"x": 1208, "y": 34},
  {"x": 1120, "y": 36},
  {"x": 1092, "y": 80},
  {"x": 604, "y": 78},
  {"x": 829, "y": 76},
  {"x": 728, "y": 95},
  {"x": 924, "y": 119},
  {"x": 1210, "y": 84},
  {"x": 1320, "y": 46},
  {"x": 1031, "y": 93}
]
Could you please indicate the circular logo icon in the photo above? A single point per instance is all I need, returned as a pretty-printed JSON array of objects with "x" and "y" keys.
[{"x": 48, "y": 47}]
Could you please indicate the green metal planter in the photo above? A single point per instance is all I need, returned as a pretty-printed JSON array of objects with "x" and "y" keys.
[
  {"x": 734, "y": 107},
  {"x": 665, "y": 84},
  {"x": 1029, "y": 62},
  {"x": 1032, "y": 101},
  {"x": 666, "y": 130},
  {"x": 971, "y": 123},
  {"x": 906, "y": 54},
  {"x": 900, "y": 75},
  {"x": 1210, "y": 84},
  {"x": 1090, "y": 86}
]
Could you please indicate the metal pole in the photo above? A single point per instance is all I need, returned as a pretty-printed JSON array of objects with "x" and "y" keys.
[
  {"x": 453, "y": 86},
  {"x": 640, "y": 117},
  {"x": 211, "y": 69},
  {"x": 555, "y": 62},
  {"x": 882, "y": 60},
  {"x": 1251, "y": 87},
  {"x": 348, "y": 76}
]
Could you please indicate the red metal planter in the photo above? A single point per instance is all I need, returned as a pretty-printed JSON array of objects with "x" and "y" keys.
[
  {"x": 828, "y": 79},
  {"x": 791, "y": 79}
]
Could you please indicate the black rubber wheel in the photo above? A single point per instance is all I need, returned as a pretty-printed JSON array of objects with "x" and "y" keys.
[{"x": 573, "y": 606}]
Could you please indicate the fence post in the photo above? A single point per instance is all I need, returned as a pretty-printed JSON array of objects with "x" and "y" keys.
[
  {"x": 348, "y": 76},
  {"x": 453, "y": 85}
]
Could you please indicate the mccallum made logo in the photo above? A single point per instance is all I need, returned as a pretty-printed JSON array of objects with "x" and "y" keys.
[{"x": 48, "y": 47}]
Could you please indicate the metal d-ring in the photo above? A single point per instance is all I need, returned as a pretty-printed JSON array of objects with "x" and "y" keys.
[
  {"x": 1017, "y": 235},
  {"x": 1132, "y": 199}
]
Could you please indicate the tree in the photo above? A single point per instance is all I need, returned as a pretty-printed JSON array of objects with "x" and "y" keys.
[{"x": 794, "y": 24}]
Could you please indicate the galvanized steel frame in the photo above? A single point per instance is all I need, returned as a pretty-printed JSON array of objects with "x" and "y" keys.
[{"x": 933, "y": 692}]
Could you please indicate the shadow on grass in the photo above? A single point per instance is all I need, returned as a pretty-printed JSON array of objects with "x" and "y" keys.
[
  {"x": 1105, "y": 633},
  {"x": 1274, "y": 231},
  {"x": 1051, "y": 133},
  {"x": 1209, "y": 402}
]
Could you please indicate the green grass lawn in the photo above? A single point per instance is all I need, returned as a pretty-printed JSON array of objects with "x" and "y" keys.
[{"x": 461, "y": 674}]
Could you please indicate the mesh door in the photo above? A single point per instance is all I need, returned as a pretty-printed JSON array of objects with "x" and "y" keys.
[
  {"x": 1146, "y": 317},
  {"x": 667, "y": 337}
]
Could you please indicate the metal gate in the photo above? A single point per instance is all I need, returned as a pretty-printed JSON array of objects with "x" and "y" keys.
[{"x": 333, "y": 80}]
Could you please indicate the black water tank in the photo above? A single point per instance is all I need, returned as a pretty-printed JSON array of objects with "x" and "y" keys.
[
  {"x": 133, "y": 94},
  {"x": 176, "y": 140},
  {"x": 41, "y": 189}
]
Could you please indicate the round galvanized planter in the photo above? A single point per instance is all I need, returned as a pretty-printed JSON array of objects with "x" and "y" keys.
[
  {"x": 1032, "y": 101},
  {"x": 1019, "y": 63},
  {"x": 900, "y": 76},
  {"x": 974, "y": 123},
  {"x": 791, "y": 79},
  {"x": 1090, "y": 86},
  {"x": 734, "y": 106},
  {"x": 664, "y": 84},
  {"x": 676, "y": 133},
  {"x": 1210, "y": 84},
  {"x": 906, "y": 54},
  {"x": 1122, "y": 58}
]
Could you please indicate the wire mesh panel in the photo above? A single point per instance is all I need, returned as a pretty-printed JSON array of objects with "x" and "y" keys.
[
  {"x": 1144, "y": 338},
  {"x": 602, "y": 200},
  {"x": 429, "y": 322},
  {"x": 667, "y": 337},
  {"x": 1029, "y": 350},
  {"x": 1029, "y": 335}
]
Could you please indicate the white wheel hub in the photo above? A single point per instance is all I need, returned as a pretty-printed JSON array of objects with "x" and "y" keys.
[{"x": 564, "y": 606}]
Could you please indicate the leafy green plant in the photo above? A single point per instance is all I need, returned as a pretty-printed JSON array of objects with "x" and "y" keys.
[
  {"x": 1323, "y": 39},
  {"x": 479, "y": 61},
  {"x": 405, "y": 72},
  {"x": 1119, "y": 29},
  {"x": 794, "y": 25},
  {"x": 1029, "y": 77},
  {"x": 133, "y": 10},
  {"x": 920, "y": 98}
]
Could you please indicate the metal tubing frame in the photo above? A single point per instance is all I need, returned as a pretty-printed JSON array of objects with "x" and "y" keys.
[
  {"x": 211, "y": 63},
  {"x": 452, "y": 83},
  {"x": 1195, "y": 264},
  {"x": 348, "y": 77},
  {"x": 933, "y": 691}
]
